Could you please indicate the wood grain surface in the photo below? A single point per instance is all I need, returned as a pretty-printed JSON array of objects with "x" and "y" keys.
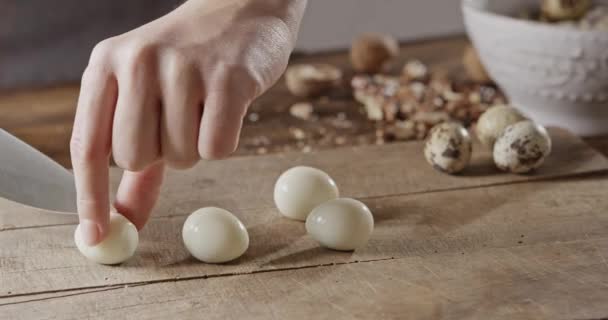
[
  {"x": 43, "y": 117},
  {"x": 481, "y": 245},
  {"x": 244, "y": 183},
  {"x": 406, "y": 226},
  {"x": 555, "y": 281}
]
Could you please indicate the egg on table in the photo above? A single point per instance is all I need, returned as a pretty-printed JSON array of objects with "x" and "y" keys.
[
  {"x": 300, "y": 189},
  {"x": 448, "y": 147},
  {"x": 522, "y": 147},
  {"x": 493, "y": 122},
  {"x": 118, "y": 246},
  {"x": 215, "y": 235},
  {"x": 341, "y": 224}
]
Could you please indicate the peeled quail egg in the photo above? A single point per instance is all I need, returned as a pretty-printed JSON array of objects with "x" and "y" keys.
[
  {"x": 300, "y": 189},
  {"x": 556, "y": 10},
  {"x": 341, "y": 224},
  {"x": 118, "y": 246},
  {"x": 448, "y": 147},
  {"x": 522, "y": 147},
  {"x": 493, "y": 122},
  {"x": 215, "y": 235}
]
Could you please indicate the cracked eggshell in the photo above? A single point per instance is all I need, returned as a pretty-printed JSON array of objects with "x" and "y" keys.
[
  {"x": 493, "y": 122},
  {"x": 341, "y": 224},
  {"x": 559, "y": 10},
  {"x": 300, "y": 189},
  {"x": 370, "y": 52},
  {"x": 118, "y": 246},
  {"x": 522, "y": 147},
  {"x": 311, "y": 80},
  {"x": 448, "y": 147},
  {"x": 215, "y": 235}
]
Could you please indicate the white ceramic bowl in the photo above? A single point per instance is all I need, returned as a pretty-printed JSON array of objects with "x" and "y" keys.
[{"x": 555, "y": 75}]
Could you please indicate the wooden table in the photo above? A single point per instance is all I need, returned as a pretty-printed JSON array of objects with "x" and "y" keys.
[
  {"x": 482, "y": 245},
  {"x": 43, "y": 117}
]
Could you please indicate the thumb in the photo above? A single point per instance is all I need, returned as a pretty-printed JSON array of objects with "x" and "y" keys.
[{"x": 138, "y": 192}]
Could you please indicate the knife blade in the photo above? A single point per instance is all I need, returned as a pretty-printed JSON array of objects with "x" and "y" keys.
[{"x": 31, "y": 178}]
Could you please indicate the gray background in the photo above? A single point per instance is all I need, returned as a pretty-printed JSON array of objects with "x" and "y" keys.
[{"x": 46, "y": 42}]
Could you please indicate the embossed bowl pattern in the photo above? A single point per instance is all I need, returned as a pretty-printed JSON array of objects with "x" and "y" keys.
[{"x": 555, "y": 75}]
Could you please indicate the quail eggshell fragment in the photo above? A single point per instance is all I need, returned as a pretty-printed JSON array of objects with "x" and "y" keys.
[
  {"x": 448, "y": 147},
  {"x": 300, "y": 189},
  {"x": 341, "y": 224},
  {"x": 215, "y": 235},
  {"x": 558, "y": 10},
  {"x": 493, "y": 122},
  {"x": 522, "y": 147},
  {"x": 118, "y": 246}
]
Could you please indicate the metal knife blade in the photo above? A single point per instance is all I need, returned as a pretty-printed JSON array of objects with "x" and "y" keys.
[{"x": 29, "y": 177}]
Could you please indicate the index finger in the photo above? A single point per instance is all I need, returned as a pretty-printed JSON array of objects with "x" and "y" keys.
[{"x": 90, "y": 148}]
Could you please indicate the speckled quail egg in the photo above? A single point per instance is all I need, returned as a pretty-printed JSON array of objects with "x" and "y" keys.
[
  {"x": 341, "y": 224},
  {"x": 558, "y": 10},
  {"x": 300, "y": 189},
  {"x": 522, "y": 147},
  {"x": 448, "y": 147},
  {"x": 215, "y": 235},
  {"x": 118, "y": 246},
  {"x": 493, "y": 122}
]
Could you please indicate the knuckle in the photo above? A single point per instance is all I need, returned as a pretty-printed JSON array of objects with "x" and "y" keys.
[
  {"x": 237, "y": 78},
  {"x": 175, "y": 65},
  {"x": 102, "y": 53},
  {"x": 130, "y": 161},
  {"x": 136, "y": 54}
]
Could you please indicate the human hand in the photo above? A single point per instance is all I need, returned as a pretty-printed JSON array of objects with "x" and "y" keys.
[{"x": 171, "y": 92}]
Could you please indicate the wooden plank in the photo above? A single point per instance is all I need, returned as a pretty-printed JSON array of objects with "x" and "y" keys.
[
  {"x": 363, "y": 172},
  {"x": 43, "y": 117},
  {"x": 543, "y": 281},
  {"x": 461, "y": 221}
]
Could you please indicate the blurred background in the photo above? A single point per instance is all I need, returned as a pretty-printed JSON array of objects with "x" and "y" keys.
[
  {"x": 47, "y": 42},
  {"x": 430, "y": 71}
]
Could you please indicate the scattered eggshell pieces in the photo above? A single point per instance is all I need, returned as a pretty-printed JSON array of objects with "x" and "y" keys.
[
  {"x": 311, "y": 80},
  {"x": 370, "y": 52}
]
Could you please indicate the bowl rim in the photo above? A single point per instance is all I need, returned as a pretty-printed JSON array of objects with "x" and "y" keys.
[{"x": 468, "y": 8}]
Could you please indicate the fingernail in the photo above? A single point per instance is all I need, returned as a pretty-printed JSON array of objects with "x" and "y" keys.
[{"x": 89, "y": 231}]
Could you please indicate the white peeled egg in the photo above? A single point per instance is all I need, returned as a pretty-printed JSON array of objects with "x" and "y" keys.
[
  {"x": 341, "y": 224},
  {"x": 215, "y": 235},
  {"x": 300, "y": 189},
  {"x": 118, "y": 246}
]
